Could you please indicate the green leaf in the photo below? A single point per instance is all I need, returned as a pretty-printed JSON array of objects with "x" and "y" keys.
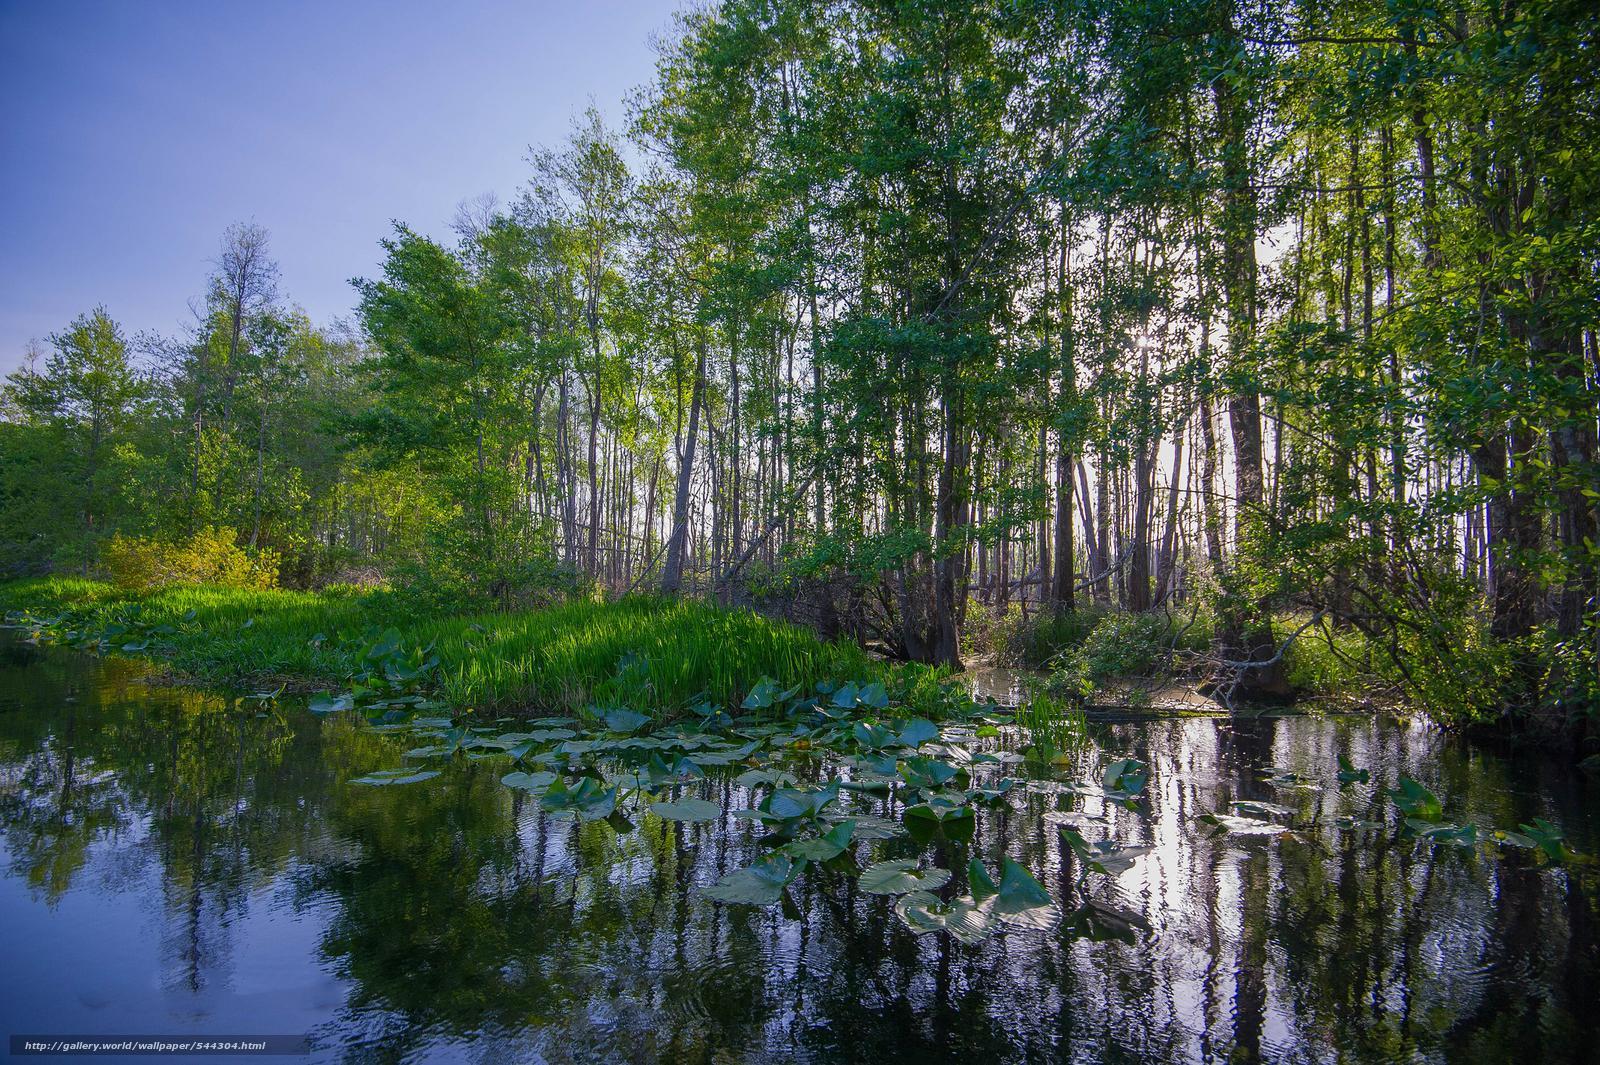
[
  {"x": 589, "y": 800},
  {"x": 396, "y": 776},
  {"x": 760, "y": 884},
  {"x": 871, "y": 736},
  {"x": 1223, "y": 824},
  {"x": 762, "y": 695},
  {"x": 1022, "y": 900},
  {"x": 978, "y": 881},
  {"x": 1262, "y": 809},
  {"x": 901, "y": 875},
  {"x": 956, "y": 823},
  {"x": 537, "y": 782},
  {"x": 917, "y": 731},
  {"x": 969, "y": 921},
  {"x": 620, "y": 720},
  {"x": 829, "y": 845},
  {"x": 1349, "y": 774},
  {"x": 1127, "y": 775},
  {"x": 874, "y": 695},
  {"x": 693, "y": 810},
  {"x": 331, "y": 704},
  {"x": 870, "y": 826},
  {"x": 1416, "y": 802}
]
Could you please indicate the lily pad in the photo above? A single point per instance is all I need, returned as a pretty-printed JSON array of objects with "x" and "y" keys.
[
  {"x": 396, "y": 776},
  {"x": 589, "y": 799},
  {"x": 331, "y": 704},
  {"x": 1262, "y": 809},
  {"x": 829, "y": 845},
  {"x": 620, "y": 720},
  {"x": 1226, "y": 824},
  {"x": 692, "y": 810},
  {"x": 871, "y": 826},
  {"x": 900, "y": 875},
  {"x": 538, "y": 781},
  {"x": 969, "y": 921},
  {"x": 760, "y": 884},
  {"x": 917, "y": 731},
  {"x": 1022, "y": 900}
]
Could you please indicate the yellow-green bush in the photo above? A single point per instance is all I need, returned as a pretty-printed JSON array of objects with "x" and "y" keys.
[{"x": 211, "y": 555}]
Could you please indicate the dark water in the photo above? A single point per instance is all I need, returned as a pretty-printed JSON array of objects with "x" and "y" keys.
[{"x": 177, "y": 864}]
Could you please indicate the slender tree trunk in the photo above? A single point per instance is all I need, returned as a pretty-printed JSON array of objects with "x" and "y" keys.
[{"x": 672, "y": 576}]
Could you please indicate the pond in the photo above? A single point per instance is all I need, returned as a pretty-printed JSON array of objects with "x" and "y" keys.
[{"x": 177, "y": 861}]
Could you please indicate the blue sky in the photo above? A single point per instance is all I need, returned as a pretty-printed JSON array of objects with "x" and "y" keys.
[{"x": 134, "y": 132}]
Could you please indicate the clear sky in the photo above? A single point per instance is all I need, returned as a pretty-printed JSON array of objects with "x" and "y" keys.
[{"x": 133, "y": 132}]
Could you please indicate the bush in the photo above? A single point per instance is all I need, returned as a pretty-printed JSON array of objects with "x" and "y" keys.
[
  {"x": 1120, "y": 645},
  {"x": 1033, "y": 640},
  {"x": 212, "y": 555}
]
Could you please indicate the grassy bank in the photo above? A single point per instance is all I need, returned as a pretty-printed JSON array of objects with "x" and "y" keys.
[{"x": 640, "y": 651}]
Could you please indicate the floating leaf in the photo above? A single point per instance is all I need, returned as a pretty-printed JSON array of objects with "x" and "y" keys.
[
  {"x": 1349, "y": 774},
  {"x": 547, "y": 735},
  {"x": 967, "y": 920},
  {"x": 590, "y": 800},
  {"x": 1262, "y": 809},
  {"x": 331, "y": 704},
  {"x": 529, "y": 781},
  {"x": 396, "y": 776},
  {"x": 870, "y": 826},
  {"x": 829, "y": 845},
  {"x": 1098, "y": 923},
  {"x": 1223, "y": 824},
  {"x": 941, "y": 818},
  {"x": 760, "y": 884},
  {"x": 791, "y": 803},
  {"x": 1464, "y": 836},
  {"x": 725, "y": 754},
  {"x": 1416, "y": 802},
  {"x": 1102, "y": 856},
  {"x": 900, "y": 875},
  {"x": 692, "y": 810},
  {"x": 1279, "y": 778},
  {"x": 751, "y": 779},
  {"x": 620, "y": 720},
  {"x": 1021, "y": 899}
]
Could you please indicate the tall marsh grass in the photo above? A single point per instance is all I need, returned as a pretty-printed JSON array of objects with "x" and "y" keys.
[{"x": 642, "y": 651}]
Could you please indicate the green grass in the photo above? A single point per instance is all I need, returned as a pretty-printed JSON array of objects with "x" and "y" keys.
[{"x": 654, "y": 653}]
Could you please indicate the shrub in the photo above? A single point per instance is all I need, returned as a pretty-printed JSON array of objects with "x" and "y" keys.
[
  {"x": 1015, "y": 638},
  {"x": 211, "y": 555},
  {"x": 1120, "y": 645}
]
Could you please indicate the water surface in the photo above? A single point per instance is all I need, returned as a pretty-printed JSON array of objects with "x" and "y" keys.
[{"x": 177, "y": 862}]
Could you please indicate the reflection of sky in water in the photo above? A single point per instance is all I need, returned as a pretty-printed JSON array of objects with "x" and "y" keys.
[{"x": 173, "y": 865}]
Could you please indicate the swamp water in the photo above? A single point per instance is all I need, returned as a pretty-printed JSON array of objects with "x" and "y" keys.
[{"x": 176, "y": 862}]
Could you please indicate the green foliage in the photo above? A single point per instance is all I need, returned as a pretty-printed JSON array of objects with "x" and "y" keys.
[
  {"x": 1119, "y": 645},
  {"x": 209, "y": 556},
  {"x": 665, "y": 655}
]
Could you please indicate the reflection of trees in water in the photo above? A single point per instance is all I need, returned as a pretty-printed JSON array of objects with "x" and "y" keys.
[
  {"x": 96, "y": 761},
  {"x": 459, "y": 910}
]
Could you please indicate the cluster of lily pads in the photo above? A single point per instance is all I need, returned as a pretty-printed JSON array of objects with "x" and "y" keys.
[
  {"x": 389, "y": 682},
  {"x": 130, "y": 632},
  {"x": 617, "y": 764},
  {"x": 1420, "y": 817},
  {"x": 609, "y": 764}
]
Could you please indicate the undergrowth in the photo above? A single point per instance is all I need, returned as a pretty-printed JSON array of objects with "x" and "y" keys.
[{"x": 643, "y": 651}]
